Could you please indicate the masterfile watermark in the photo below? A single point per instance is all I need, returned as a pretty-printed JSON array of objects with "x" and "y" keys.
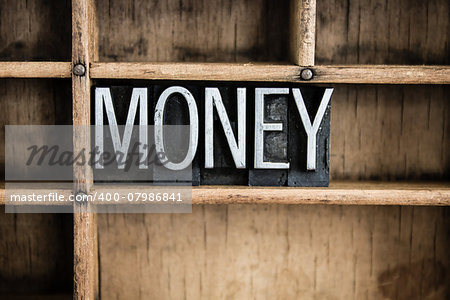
[
  {"x": 126, "y": 174},
  {"x": 48, "y": 153},
  {"x": 52, "y": 155}
]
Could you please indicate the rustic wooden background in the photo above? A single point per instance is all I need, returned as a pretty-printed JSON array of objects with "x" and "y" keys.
[
  {"x": 36, "y": 251},
  {"x": 251, "y": 251}
]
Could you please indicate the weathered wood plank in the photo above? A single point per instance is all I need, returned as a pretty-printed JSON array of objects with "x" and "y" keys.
[
  {"x": 382, "y": 74},
  {"x": 196, "y": 71},
  {"x": 342, "y": 193},
  {"x": 277, "y": 252},
  {"x": 370, "y": 74},
  {"x": 390, "y": 133},
  {"x": 303, "y": 32},
  {"x": 35, "y": 70},
  {"x": 85, "y": 223},
  {"x": 290, "y": 252},
  {"x": 400, "y": 32},
  {"x": 219, "y": 31},
  {"x": 35, "y": 253},
  {"x": 35, "y": 30},
  {"x": 31, "y": 102},
  {"x": 85, "y": 255},
  {"x": 339, "y": 192}
]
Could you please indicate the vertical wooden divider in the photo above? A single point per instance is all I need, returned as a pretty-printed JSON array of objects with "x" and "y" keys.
[
  {"x": 303, "y": 32},
  {"x": 84, "y": 50}
]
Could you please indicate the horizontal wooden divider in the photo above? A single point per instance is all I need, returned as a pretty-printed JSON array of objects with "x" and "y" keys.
[
  {"x": 331, "y": 74},
  {"x": 35, "y": 69},
  {"x": 382, "y": 74},
  {"x": 340, "y": 192},
  {"x": 196, "y": 71},
  {"x": 356, "y": 74}
]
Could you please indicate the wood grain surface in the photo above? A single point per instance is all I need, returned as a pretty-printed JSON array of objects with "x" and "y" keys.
[
  {"x": 36, "y": 250},
  {"x": 310, "y": 252},
  {"x": 352, "y": 74},
  {"x": 219, "y": 31},
  {"x": 343, "y": 193},
  {"x": 390, "y": 132},
  {"x": 339, "y": 193},
  {"x": 84, "y": 39},
  {"x": 383, "y": 32},
  {"x": 303, "y": 32},
  {"x": 381, "y": 74},
  {"x": 36, "y": 69},
  {"x": 255, "y": 251},
  {"x": 277, "y": 252},
  {"x": 35, "y": 254},
  {"x": 35, "y": 30}
]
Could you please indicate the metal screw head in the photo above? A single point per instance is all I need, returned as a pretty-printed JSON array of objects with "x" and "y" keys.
[
  {"x": 79, "y": 70},
  {"x": 80, "y": 197},
  {"x": 306, "y": 74},
  {"x": 81, "y": 202}
]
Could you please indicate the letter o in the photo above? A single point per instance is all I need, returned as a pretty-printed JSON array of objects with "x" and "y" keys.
[{"x": 193, "y": 130}]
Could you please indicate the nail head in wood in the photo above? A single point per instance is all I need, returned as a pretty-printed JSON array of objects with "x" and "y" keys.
[
  {"x": 79, "y": 70},
  {"x": 80, "y": 197},
  {"x": 306, "y": 74}
]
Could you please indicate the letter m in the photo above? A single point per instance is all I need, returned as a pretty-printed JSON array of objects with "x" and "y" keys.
[{"x": 103, "y": 96}]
